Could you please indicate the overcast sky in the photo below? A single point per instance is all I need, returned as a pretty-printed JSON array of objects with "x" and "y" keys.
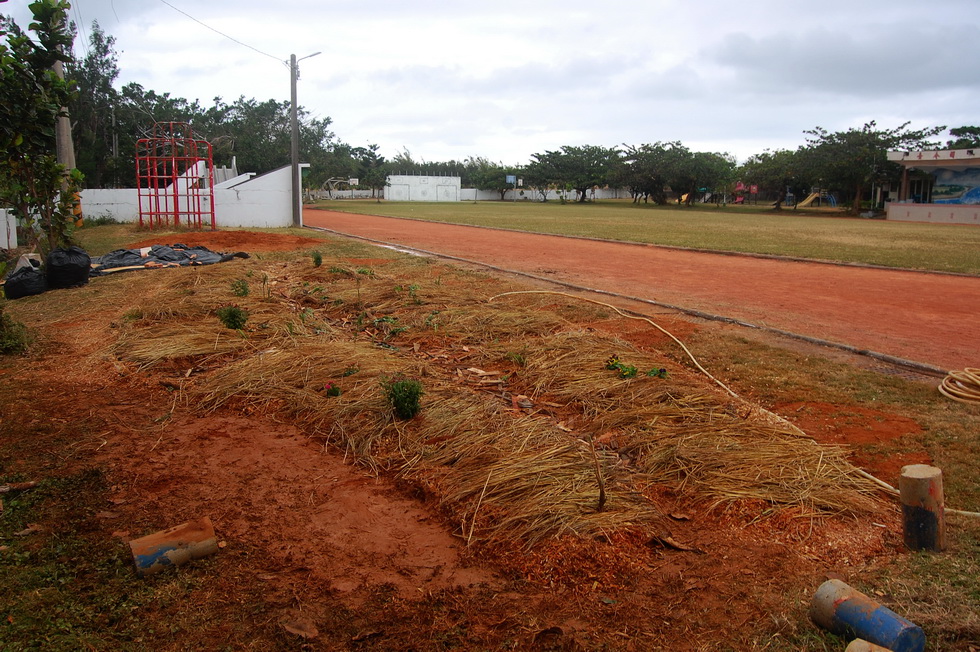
[{"x": 503, "y": 80}]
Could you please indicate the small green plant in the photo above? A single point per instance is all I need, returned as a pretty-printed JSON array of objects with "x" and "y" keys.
[
  {"x": 430, "y": 320},
  {"x": 232, "y": 317},
  {"x": 657, "y": 373},
  {"x": 331, "y": 390},
  {"x": 413, "y": 291},
  {"x": 240, "y": 288},
  {"x": 14, "y": 336},
  {"x": 625, "y": 370},
  {"x": 351, "y": 370},
  {"x": 317, "y": 258},
  {"x": 516, "y": 358},
  {"x": 403, "y": 395},
  {"x": 133, "y": 314},
  {"x": 101, "y": 220},
  {"x": 365, "y": 271}
]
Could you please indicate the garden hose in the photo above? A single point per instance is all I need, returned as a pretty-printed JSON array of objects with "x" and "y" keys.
[
  {"x": 962, "y": 386},
  {"x": 768, "y": 415}
]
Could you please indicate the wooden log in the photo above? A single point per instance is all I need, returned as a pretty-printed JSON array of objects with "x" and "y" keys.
[
  {"x": 861, "y": 645},
  {"x": 845, "y": 611},
  {"x": 173, "y": 547},
  {"x": 923, "y": 511},
  {"x": 16, "y": 486}
]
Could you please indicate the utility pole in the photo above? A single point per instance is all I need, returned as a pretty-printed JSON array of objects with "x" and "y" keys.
[
  {"x": 294, "y": 140},
  {"x": 64, "y": 148}
]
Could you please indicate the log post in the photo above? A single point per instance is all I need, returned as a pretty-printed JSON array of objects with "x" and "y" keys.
[
  {"x": 173, "y": 547},
  {"x": 923, "y": 508}
]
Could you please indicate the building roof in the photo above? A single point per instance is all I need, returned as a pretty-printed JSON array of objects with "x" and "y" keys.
[{"x": 949, "y": 159}]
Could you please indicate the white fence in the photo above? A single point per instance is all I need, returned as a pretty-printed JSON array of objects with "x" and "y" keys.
[
  {"x": 529, "y": 194},
  {"x": 245, "y": 201},
  {"x": 934, "y": 213}
]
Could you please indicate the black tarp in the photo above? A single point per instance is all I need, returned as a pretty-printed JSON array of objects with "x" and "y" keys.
[{"x": 158, "y": 256}]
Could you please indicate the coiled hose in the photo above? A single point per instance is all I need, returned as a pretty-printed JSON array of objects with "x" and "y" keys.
[{"x": 962, "y": 386}]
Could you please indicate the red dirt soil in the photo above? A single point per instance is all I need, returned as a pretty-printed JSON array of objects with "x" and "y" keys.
[
  {"x": 319, "y": 536},
  {"x": 925, "y": 318}
]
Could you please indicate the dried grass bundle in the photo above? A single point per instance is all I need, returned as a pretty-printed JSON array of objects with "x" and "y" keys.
[
  {"x": 499, "y": 474},
  {"x": 148, "y": 347},
  {"x": 522, "y": 477}
]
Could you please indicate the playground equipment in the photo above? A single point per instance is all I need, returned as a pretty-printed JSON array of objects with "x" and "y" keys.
[
  {"x": 819, "y": 196},
  {"x": 175, "y": 178}
]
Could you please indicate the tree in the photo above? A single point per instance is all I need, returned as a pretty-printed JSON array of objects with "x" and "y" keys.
[
  {"x": 33, "y": 185},
  {"x": 372, "y": 170},
  {"x": 575, "y": 168},
  {"x": 853, "y": 160},
  {"x": 137, "y": 111},
  {"x": 483, "y": 174},
  {"x": 644, "y": 172},
  {"x": 777, "y": 173},
  {"x": 93, "y": 110},
  {"x": 966, "y": 138}
]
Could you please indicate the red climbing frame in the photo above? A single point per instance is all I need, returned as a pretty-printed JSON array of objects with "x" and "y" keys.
[{"x": 174, "y": 178}]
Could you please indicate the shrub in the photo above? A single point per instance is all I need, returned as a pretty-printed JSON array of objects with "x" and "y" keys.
[
  {"x": 14, "y": 336},
  {"x": 240, "y": 288},
  {"x": 232, "y": 317},
  {"x": 317, "y": 258},
  {"x": 403, "y": 394}
]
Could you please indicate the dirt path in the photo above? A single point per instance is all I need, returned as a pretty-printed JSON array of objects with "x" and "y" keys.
[{"x": 925, "y": 318}]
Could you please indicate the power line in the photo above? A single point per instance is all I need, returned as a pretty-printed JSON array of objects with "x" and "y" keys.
[
  {"x": 221, "y": 33},
  {"x": 81, "y": 26}
]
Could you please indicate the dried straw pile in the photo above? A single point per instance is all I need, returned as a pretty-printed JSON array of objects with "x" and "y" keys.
[{"x": 497, "y": 471}]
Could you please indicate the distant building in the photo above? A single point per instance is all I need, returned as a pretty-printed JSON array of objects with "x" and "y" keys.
[
  {"x": 941, "y": 186},
  {"x": 406, "y": 187}
]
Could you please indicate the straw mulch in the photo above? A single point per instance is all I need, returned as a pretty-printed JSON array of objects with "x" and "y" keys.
[{"x": 498, "y": 472}]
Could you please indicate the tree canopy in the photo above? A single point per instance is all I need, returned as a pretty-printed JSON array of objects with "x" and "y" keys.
[
  {"x": 573, "y": 168},
  {"x": 38, "y": 189},
  {"x": 853, "y": 160}
]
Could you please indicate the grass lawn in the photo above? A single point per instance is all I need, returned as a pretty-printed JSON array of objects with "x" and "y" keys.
[{"x": 816, "y": 234}]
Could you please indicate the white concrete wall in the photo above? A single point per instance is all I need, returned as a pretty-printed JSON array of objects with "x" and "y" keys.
[
  {"x": 935, "y": 213},
  {"x": 529, "y": 194},
  {"x": 118, "y": 203},
  {"x": 422, "y": 188},
  {"x": 8, "y": 230},
  {"x": 262, "y": 202}
]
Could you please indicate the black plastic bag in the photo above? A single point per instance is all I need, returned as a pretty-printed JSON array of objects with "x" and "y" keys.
[
  {"x": 24, "y": 282},
  {"x": 67, "y": 268}
]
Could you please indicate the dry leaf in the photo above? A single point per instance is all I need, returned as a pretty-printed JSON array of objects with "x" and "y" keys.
[{"x": 300, "y": 626}]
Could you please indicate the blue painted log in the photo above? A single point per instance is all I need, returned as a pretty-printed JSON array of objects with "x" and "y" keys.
[
  {"x": 174, "y": 547},
  {"x": 847, "y": 612}
]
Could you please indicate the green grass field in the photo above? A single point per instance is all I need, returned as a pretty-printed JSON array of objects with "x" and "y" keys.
[{"x": 816, "y": 234}]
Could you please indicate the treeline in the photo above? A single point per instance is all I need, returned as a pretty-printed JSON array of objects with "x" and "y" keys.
[{"x": 108, "y": 123}]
